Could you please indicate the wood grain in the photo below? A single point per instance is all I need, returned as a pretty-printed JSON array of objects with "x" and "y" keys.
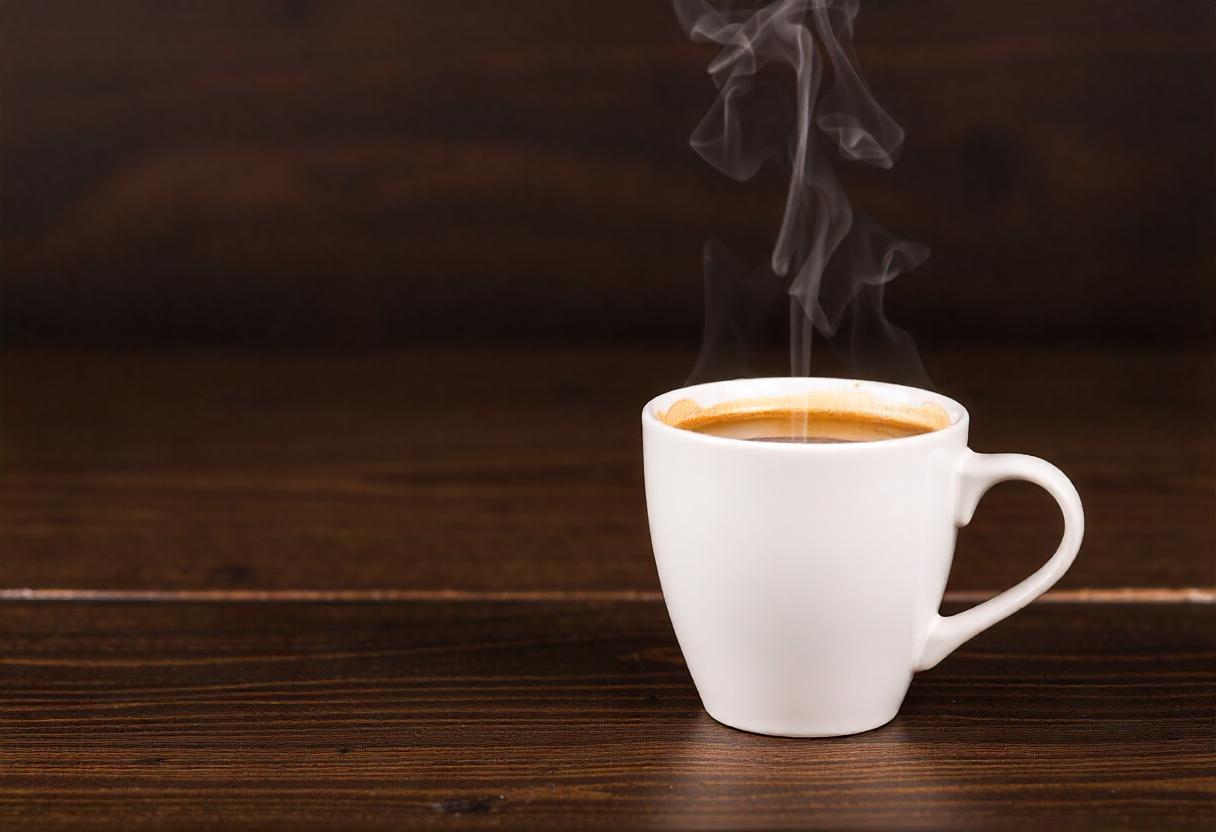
[
  {"x": 380, "y": 172},
  {"x": 519, "y": 470},
  {"x": 557, "y": 716}
]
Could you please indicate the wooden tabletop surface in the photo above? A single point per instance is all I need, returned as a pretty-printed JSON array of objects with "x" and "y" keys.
[{"x": 415, "y": 590}]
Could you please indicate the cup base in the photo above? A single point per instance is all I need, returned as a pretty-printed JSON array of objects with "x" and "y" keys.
[{"x": 841, "y": 729}]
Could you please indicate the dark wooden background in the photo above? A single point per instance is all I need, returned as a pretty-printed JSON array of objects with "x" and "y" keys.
[
  {"x": 375, "y": 181},
  {"x": 325, "y": 330},
  {"x": 304, "y": 172}
]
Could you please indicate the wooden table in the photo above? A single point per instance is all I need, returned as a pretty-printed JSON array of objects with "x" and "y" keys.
[{"x": 415, "y": 590}]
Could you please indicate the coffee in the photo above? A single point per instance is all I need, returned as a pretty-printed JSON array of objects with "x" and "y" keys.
[
  {"x": 814, "y": 418},
  {"x": 801, "y": 428}
]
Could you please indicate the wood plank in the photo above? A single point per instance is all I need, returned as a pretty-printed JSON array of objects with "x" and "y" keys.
[
  {"x": 557, "y": 716},
  {"x": 382, "y": 171},
  {"x": 520, "y": 470}
]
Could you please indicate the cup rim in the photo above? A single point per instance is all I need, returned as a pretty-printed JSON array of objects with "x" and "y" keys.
[{"x": 960, "y": 419}]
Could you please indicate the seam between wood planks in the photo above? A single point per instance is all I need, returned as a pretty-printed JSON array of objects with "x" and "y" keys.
[{"x": 1120, "y": 595}]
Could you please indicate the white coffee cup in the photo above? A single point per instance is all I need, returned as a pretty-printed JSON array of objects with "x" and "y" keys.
[{"x": 803, "y": 580}]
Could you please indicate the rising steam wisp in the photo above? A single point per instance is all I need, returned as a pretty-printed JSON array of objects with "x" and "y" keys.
[{"x": 833, "y": 263}]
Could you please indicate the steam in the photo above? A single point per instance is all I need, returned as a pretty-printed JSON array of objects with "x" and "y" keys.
[{"x": 832, "y": 263}]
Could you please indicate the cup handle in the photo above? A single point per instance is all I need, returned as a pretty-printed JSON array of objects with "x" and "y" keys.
[{"x": 977, "y": 473}]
